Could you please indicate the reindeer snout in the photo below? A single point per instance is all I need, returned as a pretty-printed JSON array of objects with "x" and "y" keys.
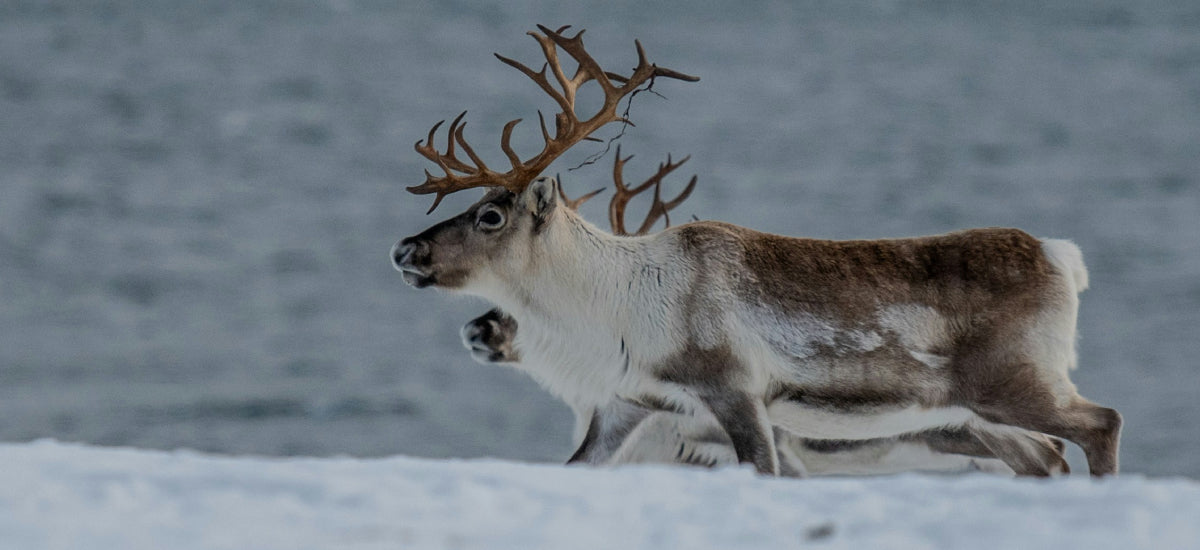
[
  {"x": 409, "y": 253},
  {"x": 411, "y": 258}
]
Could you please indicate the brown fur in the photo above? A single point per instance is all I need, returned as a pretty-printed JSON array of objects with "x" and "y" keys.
[
  {"x": 973, "y": 268},
  {"x": 989, "y": 284}
]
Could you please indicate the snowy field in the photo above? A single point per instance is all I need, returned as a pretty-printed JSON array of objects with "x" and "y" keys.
[
  {"x": 197, "y": 200},
  {"x": 57, "y": 496}
]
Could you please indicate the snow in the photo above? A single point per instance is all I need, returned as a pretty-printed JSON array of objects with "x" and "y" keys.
[{"x": 66, "y": 496}]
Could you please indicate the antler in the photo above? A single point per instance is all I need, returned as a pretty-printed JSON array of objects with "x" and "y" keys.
[
  {"x": 658, "y": 209},
  {"x": 616, "y": 207},
  {"x": 574, "y": 204},
  {"x": 568, "y": 129}
]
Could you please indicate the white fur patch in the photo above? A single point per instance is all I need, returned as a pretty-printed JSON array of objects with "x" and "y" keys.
[
  {"x": 1053, "y": 335},
  {"x": 820, "y": 423},
  {"x": 1068, "y": 260},
  {"x": 919, "y": 329},
  {"x": 864, "y": 341},
  {"x": 930, "y": 360},
  {"x": 797, "y": 336}
]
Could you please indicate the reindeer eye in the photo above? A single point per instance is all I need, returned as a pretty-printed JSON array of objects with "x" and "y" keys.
[{"x": 490, "y": 218}]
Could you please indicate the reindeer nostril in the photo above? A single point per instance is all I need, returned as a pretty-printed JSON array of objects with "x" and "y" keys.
[{"x": 402, "y": 253}]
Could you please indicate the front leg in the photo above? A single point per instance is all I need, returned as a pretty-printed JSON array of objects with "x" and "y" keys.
[
  {"x": 607, "y": 430},
  {"x": 490, "y": 337},
  {"x": 707, "y": 378},
  {"x": 589, "y": 445},
  {"x": 744, "y": 418}
]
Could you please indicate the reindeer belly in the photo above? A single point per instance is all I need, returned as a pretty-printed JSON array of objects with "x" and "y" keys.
[
  {"x": 863, "y": 395},
  {"x": 819, "y": 420}
]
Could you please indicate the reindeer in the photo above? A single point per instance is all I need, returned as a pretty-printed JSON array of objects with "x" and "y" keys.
[
  {"x": 646, "y": 435},
  {"x": 824, "y": 339}
]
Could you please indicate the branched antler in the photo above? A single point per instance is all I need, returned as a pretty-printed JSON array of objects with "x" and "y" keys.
[
  {"x": 568, "y": 128},
  {"x": 658, "y": 209}
]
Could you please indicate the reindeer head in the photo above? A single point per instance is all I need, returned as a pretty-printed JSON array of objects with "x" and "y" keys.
[
  {"x": 486, "y": 238},
  {"x": 493, "y": 235}
]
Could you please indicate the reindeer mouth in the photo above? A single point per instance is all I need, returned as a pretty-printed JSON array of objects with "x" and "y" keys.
[
  {"x": 404, "y": 260},
  {"x": 417, "y": 279}
]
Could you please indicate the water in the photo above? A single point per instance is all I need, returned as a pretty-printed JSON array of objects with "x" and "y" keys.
[{"x": 198, "y": 198}]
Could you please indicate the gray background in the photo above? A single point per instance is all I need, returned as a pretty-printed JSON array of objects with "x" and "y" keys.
[{"x": 197, "y": 198}]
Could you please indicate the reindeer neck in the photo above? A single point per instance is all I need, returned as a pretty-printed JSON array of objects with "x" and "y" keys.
[
  {"x": 580, "y": 316},
  {"x": 577, "y": 266}
]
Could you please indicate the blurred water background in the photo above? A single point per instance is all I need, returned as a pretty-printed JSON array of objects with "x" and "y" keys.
[{"x": 197, "y": 198}]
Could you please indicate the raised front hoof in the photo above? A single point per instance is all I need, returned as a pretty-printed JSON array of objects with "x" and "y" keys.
[{"x": 489, "y": 339}]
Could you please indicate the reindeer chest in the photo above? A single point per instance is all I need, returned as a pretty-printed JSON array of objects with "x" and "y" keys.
[{"x": 591, "y": 360}]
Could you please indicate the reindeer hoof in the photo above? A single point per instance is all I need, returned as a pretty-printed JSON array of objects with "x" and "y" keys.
[{"x": 487, "y": 341}]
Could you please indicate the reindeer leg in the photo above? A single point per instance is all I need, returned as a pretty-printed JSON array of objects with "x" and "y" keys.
[
  {"x": 665, "y": 437},
  {"x": 744, "y": 418},
  {"x": 607, "y": 431},
  {"x": 1094, "y": 428},
  {"x": 582, "y": 454},
  {"x": 489, "y": 338},
  {"x": 700, "y": 378},
  {"x": 790, "y": 463},
  {"x": 1022, "y": 396},
  {"x": 1027, "y": 453}
]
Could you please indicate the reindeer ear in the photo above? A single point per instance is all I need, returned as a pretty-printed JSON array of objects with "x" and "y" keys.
[
  {"x": 540, "y": 198},
  {"x": 542, "y": 195}
]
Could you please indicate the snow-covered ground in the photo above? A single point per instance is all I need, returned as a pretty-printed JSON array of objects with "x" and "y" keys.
[{"x": 66, "y": 496}]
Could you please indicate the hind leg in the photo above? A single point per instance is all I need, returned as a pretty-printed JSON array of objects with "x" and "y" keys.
[
  {"x": 1027, "y": 453},
  {"x": 1096, "y": 429},
  {"x": 1024, "y": 452}
]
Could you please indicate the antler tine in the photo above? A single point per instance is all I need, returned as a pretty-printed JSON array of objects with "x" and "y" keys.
[
  {"x": 458, "y": 136},
  {"x": 568, "y": 131},
  {"x": 658, "y": 209},
  {"x": 427, "y": 149},
  {"x": 574, "y": 204},
  {"x": 454, "y": 132},
  {"x": 547, "y": 42},
  {"x": 616, "y": 207},
  {"x": 538, "y": 77},
  {"x": 678, "y": 200},
  {"x": 588, "y": 69},
  {"x": 475, "y": 176},
  {"x": 655, "y": 70},
  {"x": 619, "y": 170},
  {"x": 506, "y": 146},
  {"x": 446, "y": 161}
]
